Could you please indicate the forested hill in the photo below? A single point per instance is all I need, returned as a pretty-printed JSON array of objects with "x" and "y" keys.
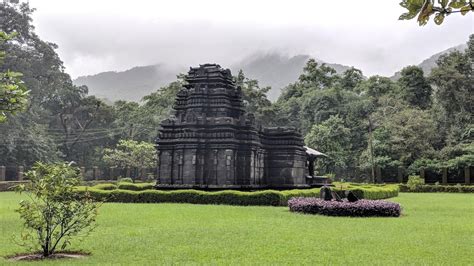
[
  {"x": 131, "y": 84},
  {"x": 430, "y": 62},
  {"x": 270, "y": 69},
  {"x": 276, "y": 70}
]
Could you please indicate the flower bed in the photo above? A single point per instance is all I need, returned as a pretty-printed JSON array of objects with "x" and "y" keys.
[{"x": 361, "y": 208}]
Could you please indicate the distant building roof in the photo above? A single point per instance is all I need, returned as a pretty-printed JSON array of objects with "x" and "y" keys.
[{"x": 314, "y": 152}]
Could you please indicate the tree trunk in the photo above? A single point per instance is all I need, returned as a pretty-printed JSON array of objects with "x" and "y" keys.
[{"x": 371, "y": 151}]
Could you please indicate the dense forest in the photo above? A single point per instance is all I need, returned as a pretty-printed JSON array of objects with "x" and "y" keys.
[{"x": 415, "y": 121}]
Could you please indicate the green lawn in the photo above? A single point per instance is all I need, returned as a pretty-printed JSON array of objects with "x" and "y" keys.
[{"x": 435, "y": 229}]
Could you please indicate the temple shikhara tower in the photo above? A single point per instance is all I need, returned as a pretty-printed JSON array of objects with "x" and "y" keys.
[{"x": 211, "y": 142}]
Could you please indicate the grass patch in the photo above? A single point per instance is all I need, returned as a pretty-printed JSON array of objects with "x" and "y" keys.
[{"x": 434, "y": 229}]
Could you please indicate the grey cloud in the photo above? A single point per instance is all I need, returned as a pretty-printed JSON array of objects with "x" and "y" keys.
[{"x": 93, "y": 44}]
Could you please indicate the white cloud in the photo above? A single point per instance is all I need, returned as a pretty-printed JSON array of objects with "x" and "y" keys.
[{"x": 96, "y": 36}]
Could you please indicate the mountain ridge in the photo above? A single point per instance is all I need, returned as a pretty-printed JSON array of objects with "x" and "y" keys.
[
  {"x": 430, "y": 62},
  {"x": 272, "y": 69}
]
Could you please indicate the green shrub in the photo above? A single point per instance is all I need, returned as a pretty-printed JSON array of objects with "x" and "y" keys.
[
  {"x": 381, "y": 192},
  {"x": 368, "y": 191},
  {"x": 144, "y": 193},
  {"x": 53, "y": 213},
  {"x": 293, "y": 193},
  {"x": 414, "y": 181},
  {"x": 125, "y": 180},
  {"x": 134, "y": 186},
  {"x": 330, "y": 176},
  {"x": 228, "y": 197},
  {"x": 105, "y": 186},
  {"x": 439, "y": 188},
  {"x": 96, "y": 194}
]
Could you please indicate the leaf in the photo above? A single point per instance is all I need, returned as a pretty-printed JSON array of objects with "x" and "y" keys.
[
  {"x": 443, "y": 3},
  {"x": 457, "y": 3},
  {"x": 407, "y": 16},
  {"x": 413, "y": 6},
  {"x": 465, "y": 9},
  {"x": 425, "y": 13},
  {"x": 438, "y": 19}
]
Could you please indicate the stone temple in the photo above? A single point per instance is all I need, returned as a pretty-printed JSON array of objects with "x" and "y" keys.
[{"x": 210, "y": 141}]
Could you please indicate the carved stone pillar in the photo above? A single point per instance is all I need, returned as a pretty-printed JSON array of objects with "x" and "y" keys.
[
  {"x": 3, "y": 171},
  {"x": 20, "y": 173}
]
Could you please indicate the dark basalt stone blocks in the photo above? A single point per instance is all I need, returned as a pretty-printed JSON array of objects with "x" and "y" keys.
[{"x": 210, "y": 141}]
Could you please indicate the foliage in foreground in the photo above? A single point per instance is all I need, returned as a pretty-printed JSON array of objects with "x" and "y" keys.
[
  {"x": 141, "y": 193},
  {"x": 54, "y": 214},
  {"x": 361, "y": 208},
  {"x": 426, "y": 8}
]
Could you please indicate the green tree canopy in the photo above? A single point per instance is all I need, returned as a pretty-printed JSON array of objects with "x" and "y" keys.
[
  {"x": 414, "y": 88},
  {"x": 351, "y": 78},
  {"x": 13, "y": 92},
  {"x": 454, "y": 93},
  {"x": 377, "y": 86},
  {"x": 255, "y": 98},
  {"x": 332, "y": 137},
  {"x": 131, "y": 153}
]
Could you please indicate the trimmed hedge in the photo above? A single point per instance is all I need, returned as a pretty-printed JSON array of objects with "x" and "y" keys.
[
  {"x": 138, "y": 193},
  {"x": 361, "y": 208},
  {"x": 10, "y": 185},
  {"x": 438, "y": 188},
  {"x": 370, "y": 191},
  {"x": 288, "y": 194},
  {"x": 106, "y": 186},
  {"x": 135, "y": 186},
  {"x": 227, "y": 197}
]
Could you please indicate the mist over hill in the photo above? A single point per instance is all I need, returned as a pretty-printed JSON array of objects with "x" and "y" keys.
[
  {"x": 276, "y": 70},
  {"x": 270, "y": 69},
  {"x": 131, "y": 84},
  {"x": 430, "y": 62}
]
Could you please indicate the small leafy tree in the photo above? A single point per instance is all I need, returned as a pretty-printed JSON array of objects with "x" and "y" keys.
[
  {"x": 54, "y": 213},
  {"x": 131, "y": 153}
]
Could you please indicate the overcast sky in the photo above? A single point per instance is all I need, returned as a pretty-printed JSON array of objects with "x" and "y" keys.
[{"x": 95, "y": 36}]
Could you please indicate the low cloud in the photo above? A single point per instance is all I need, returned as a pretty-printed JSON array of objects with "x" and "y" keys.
[{"x": 95, "y": 40}]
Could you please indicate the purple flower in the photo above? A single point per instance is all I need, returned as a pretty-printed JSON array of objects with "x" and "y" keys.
[{"x": 361, "y": 208}]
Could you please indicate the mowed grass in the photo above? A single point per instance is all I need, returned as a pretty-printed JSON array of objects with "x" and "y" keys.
[{"x": 435, "y": 229}]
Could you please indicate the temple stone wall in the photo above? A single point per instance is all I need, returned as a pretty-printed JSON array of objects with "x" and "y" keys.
[{"x": 210, "y": 141}]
